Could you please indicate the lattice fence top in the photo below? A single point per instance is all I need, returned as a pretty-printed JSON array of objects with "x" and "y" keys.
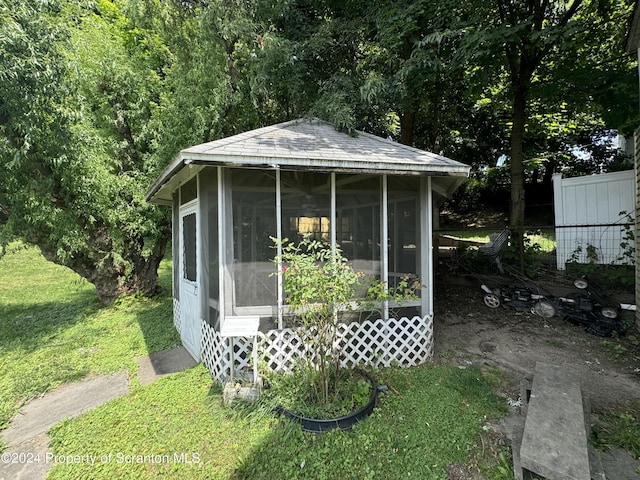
[{"x": 404, "y": 341}]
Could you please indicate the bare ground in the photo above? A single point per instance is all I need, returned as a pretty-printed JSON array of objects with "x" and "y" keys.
[{"x": 466, "y": 331}]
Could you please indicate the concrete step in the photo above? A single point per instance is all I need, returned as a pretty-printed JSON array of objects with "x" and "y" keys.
[{"x": 554, "y": 441}]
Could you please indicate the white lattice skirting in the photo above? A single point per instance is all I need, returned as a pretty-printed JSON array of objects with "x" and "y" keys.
[
  {"x": 404, "y": 341},
  {"x": 176, "y": 314}
]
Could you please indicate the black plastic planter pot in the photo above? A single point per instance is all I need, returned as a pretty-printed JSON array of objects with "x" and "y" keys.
[{"x": 346, "y": 422}]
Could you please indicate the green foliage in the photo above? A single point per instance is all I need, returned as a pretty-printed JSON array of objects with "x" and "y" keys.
[
  {"x": 98, "y": 98},
  {"x": 81, "y": 157},
  {"x": 628, "y": 255},
  {"x": 621, "y": 275},
  {"x": 531, "y": 253},
  {"x": 292, "y": 392},
  {"x": 321, "y": 286},
  {"x": 619, "y": 428}
]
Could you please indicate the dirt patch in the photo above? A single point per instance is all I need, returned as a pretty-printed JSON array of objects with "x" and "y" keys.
[{"x": 466, "y": 331}]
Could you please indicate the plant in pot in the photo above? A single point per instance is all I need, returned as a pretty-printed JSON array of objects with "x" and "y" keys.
[{"x": 321, "y": 287}]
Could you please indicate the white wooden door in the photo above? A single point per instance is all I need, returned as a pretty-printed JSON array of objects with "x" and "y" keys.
[{"x": 190, "y": 328}]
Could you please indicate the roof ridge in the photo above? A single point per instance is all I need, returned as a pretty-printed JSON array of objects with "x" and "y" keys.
[{"x": 225, "y": 141}]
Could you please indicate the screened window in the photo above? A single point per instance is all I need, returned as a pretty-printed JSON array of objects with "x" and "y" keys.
[
  {"x": 306, "y": 205},
  {"x": 358, "y": 221},
  {"x": 189, "y": 247},
  {"x": 403, "y": 227},
  {"x": 254, "y": 223},
  {"x": 189, "y": 191},
  {"x": 209, "y": 183}
]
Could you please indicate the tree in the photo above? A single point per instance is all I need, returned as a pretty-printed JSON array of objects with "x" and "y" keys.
[
  {"x": 538, "y": 39},
  {"x": 81, "y": 85}
]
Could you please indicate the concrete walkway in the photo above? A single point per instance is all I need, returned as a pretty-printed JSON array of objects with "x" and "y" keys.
[{"x": 26, "y": 458}]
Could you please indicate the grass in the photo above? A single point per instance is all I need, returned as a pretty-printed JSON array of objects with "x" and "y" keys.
[
  {"x": 545, "y": 240},
  {"x": 54, "y": 330},
  {"x": 177, "y": 415},
  {"x": 431, "y": 417},
  {"x": 619, "y": 428}
]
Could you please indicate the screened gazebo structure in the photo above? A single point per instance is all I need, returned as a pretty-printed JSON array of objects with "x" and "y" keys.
[{"x": 231, "y": 197}]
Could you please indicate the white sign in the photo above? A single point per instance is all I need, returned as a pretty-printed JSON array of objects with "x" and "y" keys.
[{"x": 244, "y": 326}]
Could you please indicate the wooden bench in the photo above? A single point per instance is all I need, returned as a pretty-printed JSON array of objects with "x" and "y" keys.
[
  {"x": 554, "y": 441},
  {"x": 493, "y": 248}
]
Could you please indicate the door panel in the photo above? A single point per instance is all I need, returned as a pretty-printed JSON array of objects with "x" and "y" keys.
[{"x": 189, "y": 277}]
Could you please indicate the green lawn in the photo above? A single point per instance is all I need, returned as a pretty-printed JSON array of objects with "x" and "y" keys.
[
  {"x": 54, "y": 330},
  {"x": 545, "y": 239},
  {"x": 431, "y": 417}
]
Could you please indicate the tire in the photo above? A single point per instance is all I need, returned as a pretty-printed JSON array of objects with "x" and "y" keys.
[
  {"x": 580, "y": 283},
  {"x": 544, "y": 308},
  {"x": 491, "y": 300},
  {"x": 609, "y": 312}
]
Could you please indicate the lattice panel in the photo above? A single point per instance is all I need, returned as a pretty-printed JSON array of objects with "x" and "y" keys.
[
  {"x": 404, "y": 341},
  {"x": 176, "y": 314},
  {"x": 242, "y": 352},
  {"x": 280, "y": 349},
  {"x": 215, "y": 353},
  {"x": 376, "y": 343}
]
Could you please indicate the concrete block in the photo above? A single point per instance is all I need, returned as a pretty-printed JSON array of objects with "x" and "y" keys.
[{"x": 554, "y": 441}]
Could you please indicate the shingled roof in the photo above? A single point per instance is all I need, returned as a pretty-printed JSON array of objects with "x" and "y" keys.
[{"x": 311, "y": 145}]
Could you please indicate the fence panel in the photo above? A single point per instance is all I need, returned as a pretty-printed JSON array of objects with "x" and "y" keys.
[{"x": 590, "y": 225}]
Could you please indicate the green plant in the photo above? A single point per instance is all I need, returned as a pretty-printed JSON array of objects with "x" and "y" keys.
[
  {"x": 628, "y": 255},
  {"x": 321, "y": 286},
  {"x": 591, "y": 254},
  {"x": 291, "y": 392},
  {"x": 619, "y": 428},
  {"x": 616, "y": 349},
  {"x": 504, "y": 469},
  {"x": 531, "y": 251}
]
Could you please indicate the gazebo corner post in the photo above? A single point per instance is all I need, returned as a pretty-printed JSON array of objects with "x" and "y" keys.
[
  {"x": 426, "y": 246},
  {"x": 384, "y": 243},
  {"x": 280, "y": 293},
  {"x": 333, "y": 229}
]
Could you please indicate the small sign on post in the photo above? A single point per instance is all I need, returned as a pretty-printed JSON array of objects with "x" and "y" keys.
[{"x": 244, "y": 326}]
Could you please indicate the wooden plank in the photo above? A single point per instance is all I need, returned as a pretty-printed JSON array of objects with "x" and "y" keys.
[{"x": 554, "y": 442}]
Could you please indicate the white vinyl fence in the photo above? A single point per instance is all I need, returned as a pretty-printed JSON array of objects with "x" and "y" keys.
[{"x": 594, "y": 218}]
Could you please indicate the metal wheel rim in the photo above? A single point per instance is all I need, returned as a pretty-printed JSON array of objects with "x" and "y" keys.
[
  {"x": 545, "y": 309},
  {"x": 580, "y": 283},
  {"x": 491, "y": 300}
]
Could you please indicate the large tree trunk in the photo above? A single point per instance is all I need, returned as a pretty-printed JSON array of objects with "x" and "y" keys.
[
  {"x": 517, "y": 207},
  {"x": 144, "y": 274},
  {"x": 407, "y": 127},
  {"x": 111, "y": 278},
  {"x": 516, "y": 217}
]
